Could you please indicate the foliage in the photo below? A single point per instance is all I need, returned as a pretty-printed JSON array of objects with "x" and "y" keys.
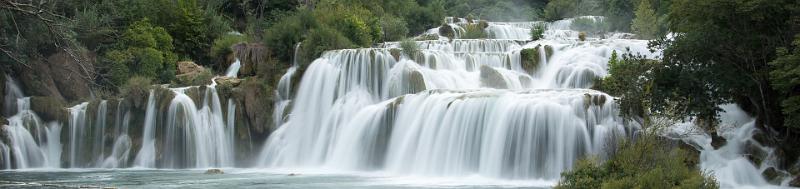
[
  {"x": 645, "y": 23},
  {"x": 394, "y": 28},
  {"x": 648, "y": 162},
  {"x": 537, "y": 32},
  {"x": 513, "y": 10},
  {"x": 286, "y": 33},
  {"x": 321, "y": 39},
  {"x": 619, "y": 14},
  {"x": 785, "y": 78},
  {"x": 474, "y": 31},
  {"x": 423, "y": 17},
  {"x": 559, "y": 9},
  {"x": 630, "y": 79},
  {"x": 582, "y": 36},
  {"x": 146, "y": 50},
  {"x": 222, "y": 45},
  {"x": 711, "y": 62},
  {"x": 410, "y": 48},
  {"x": 136, "y": 87}
]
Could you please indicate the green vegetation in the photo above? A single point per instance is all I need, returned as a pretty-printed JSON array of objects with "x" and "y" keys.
[
  {"x": 784, "y": 77},
  {"x": 537, "y": 32},
  {"x": 144, "y": 50},
  {"x": 646, "y": 163},
  {"x": 644, "y": 24},
  {"x": 409, "y": 47},
  {"x": 474, "y": 31},
  {"x": 511, "y": 10}
]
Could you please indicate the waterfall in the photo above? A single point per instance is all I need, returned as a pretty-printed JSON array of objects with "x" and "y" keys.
[
  {"x": 728, "y": 164},
  {"x": 233, "y": 69},
  {"x": 196, "y": 136},
  {"x": 147, "y": 154},
  {"x": 31, "y": 143},
  {"x": 462, "y": 107}
]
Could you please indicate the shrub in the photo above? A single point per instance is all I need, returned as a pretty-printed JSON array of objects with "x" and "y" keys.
[
  {"x": 115, "y": 65},
  {"x": 286, "y": 33},
  {"x": 649, "y": 162},
  {"x": 222, "y": 45},
  {"x": 322, "y": 39},
  {"x": 559, "y": 9},
  {"x": 582, "y": 36},
  {"x": 394, "y": 28},
  {"x": 474, "y": 31},
  {"x": 426, "y": 37},
  {"x": 137, "y": 88},
  {"x": 537, "y": 32},
  {"x": 409, "y": 47}
]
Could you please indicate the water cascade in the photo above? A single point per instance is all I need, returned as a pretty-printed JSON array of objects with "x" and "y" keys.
[{"x": 461, "y": 107}]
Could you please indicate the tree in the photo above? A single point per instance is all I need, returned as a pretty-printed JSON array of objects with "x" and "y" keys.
[
  {"x": 785, "y": 78},
  {"x": 722, "y": 55},
  {"x": 145, "y": 50},
  {"x": 646, "y": 23}
]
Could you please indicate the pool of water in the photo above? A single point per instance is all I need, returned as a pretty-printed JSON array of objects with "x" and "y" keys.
[{"x": 242, "y": 178}]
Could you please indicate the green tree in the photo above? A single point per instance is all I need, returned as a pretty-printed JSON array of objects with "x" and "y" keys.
[
  {"x": 785, "y": 78},
  {"x": 721, "y": 56},
  {"x": 646, "y": 23},
  {"x": 146, "y": 50}
]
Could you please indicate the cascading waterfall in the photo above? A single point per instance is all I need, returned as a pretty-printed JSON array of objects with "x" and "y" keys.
[
  {"x": 31, "y": 143},
  {"x": 728, "y": 163},
  {"x": 461, "y": 107},
  {"x": 233, "y": 70}
]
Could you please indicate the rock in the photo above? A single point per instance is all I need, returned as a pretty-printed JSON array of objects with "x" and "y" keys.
[
  {"x": 395, "y": 53},
  {"x": 72, "y": 77},
  {"x": 257, "y": 102},
  {"x": 214, "y": 172},
  {"x": 189, "y": 67},
  {"x": 232, "y": 81},
  {"x": 492, "y": 78},
  {"x": 49, "y": 108},
  {"x": 773, "y": 175},
  {"x": 531, "y": 58},
  {"x": 293, "y": 174},
  {"x": 717, "y": 141},
  {"x": 795, "y": 182},
  {"x": 3, "y": 121},
  {"x": 447, "y": 31},
  {"x": 416, "y": 82},
  {"x": 253, "y": 57},
  {"x": 37, "y": 80}
]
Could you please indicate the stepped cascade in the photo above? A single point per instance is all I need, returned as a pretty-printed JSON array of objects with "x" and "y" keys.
[{"x": 503, "y": 108}]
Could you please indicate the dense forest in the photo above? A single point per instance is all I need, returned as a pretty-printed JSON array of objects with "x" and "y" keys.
[{"x": 714, "y": 52}]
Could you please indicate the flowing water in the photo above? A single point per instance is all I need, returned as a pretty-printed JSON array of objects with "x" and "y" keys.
[{"x": 463, "y": 113}]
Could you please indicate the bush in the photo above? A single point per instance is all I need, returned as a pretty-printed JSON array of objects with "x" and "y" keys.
[
  {"x": 222, "y": 45},
  {"x": 537, "y": 32},
  {"x": 647, "y": 163},
  {"x": 115, "y": 65},
  {"x": 322, "y": 39},
  {"x": 144, "y": 50},
  {"x": 582, "y": 36},
  {"x": 559, "y": 9},
  {"x": 394, "y": 28},
  {"x": 137, "y": 88},
  {"x": 409, "y": 47},
  {"x": 286, "y": 33},
  {"x": 474, "y": 31},
  {"x": 426, "y": 37}
]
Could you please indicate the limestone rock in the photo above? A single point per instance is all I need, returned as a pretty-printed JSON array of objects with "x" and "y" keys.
[
  {"x": 214, "y": 172},
  {"x": 773, "y": 175},
  {"x": 492, "y": 78},
  {"x": 70, "y": 76},
  {"x": 49, "y": 108},
  {"x": 189, "y": 67}
]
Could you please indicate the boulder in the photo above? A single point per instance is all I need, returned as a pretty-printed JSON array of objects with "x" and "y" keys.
[
  {"x": 71, "y": 77},
  {"x": 774, "y": 176},
  {"x": 795, "y": 182},
  {"x": 214, "y": 172},
  {"x": 257, "y": 101},
  {"x": 492, "y": 78},
  {"x": 189, "y": 67},
  {"x": 37, "y": 80}
]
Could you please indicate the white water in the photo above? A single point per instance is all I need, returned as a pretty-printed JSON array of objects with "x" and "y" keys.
[
  {"x": 233, "y": 69},
  {"x": 465, "y": 107},
  {"x": 31, "y": 142},
  {"x": 728, "y": 163}
]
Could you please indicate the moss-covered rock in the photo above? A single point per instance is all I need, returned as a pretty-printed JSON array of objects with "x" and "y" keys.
[
  {"x": 531, "y": 59},
  {"x": 492, "y": 78},
  {"x": 447, "y": 31},
  {"x": 49, "y": 108},
  {"x": 395, "y": 52}
]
